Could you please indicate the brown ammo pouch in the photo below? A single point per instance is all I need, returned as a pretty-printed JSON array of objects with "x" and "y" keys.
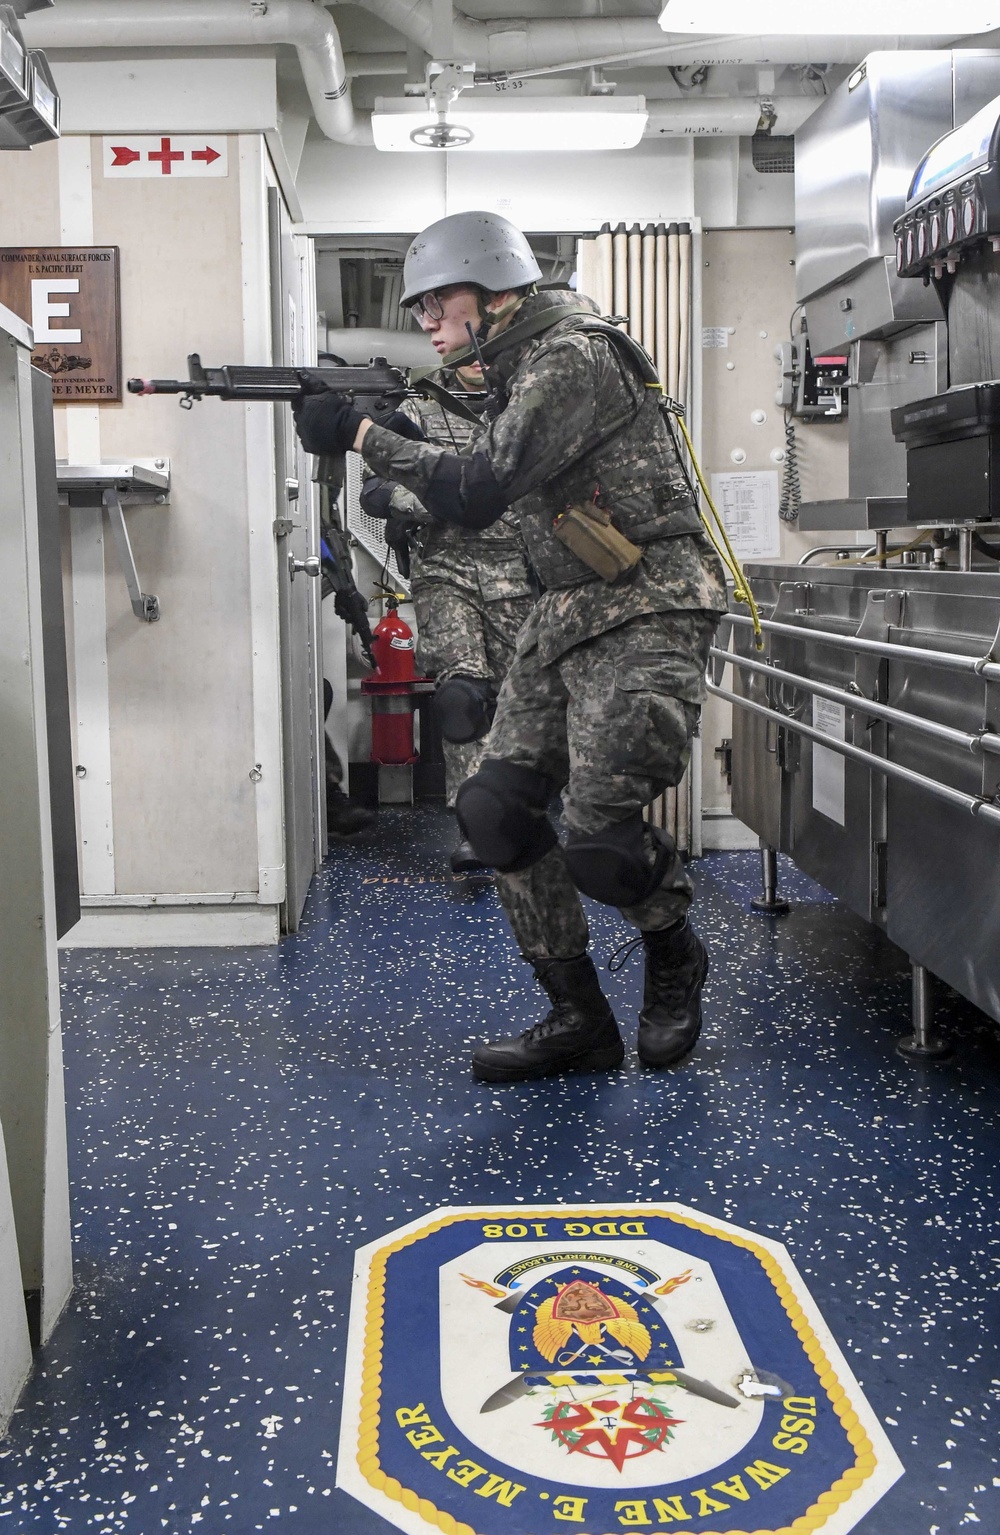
[{"x": 588, "y": 531}]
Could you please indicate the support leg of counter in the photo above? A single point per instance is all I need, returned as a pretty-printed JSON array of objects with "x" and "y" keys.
[
  {"x": 924, "y": 1044},
  {"x": 769, "y": 902}
]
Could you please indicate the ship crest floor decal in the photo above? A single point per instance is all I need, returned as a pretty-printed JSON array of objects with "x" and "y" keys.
[{"x": 531, "y": 1371}]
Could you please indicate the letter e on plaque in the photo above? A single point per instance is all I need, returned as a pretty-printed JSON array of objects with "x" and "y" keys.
[{"x": 69, "y": 297}]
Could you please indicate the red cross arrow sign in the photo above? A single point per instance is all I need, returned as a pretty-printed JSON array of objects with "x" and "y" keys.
[{"x": 166, "y": 154}]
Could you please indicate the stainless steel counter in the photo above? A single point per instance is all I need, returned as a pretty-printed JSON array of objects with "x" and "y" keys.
[{"x": 873, "y": 760}]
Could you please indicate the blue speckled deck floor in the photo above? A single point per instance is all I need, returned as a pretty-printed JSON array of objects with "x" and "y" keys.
[{"x": 241, "y": 1120}]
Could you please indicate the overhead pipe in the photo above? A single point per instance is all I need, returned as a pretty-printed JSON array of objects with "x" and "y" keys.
[
  {"x": 403, "y": 348},
  {"x": 501, "y": 46},
  {"x": 307, "y": 27},
  {"x": 720, "y": 115},
  {"x": 391, "y": 63}
]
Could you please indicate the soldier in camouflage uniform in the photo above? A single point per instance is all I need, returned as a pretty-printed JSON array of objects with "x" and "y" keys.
[
  {"x": 604, "y": 692},
  {"x": 471, "y": 597}
]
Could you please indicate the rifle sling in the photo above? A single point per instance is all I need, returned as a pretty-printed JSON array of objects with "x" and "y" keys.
[
  {"x": 444, "y": 397},
  {"x": 544, "y": 321},
  {"x": 537, "y": 325}
]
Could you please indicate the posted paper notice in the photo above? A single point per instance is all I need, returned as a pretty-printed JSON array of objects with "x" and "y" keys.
[
  {"x": 829, "y": 768},
  {"x": 748, "y": 505}
]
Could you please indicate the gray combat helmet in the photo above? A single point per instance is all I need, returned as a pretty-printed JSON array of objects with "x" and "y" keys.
[{"x": 478, "y": 248}]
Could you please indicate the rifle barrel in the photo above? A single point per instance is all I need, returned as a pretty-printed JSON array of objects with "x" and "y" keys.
[
  {"x": 240, "y": 381},
  {"x": 159, "y": 386}
]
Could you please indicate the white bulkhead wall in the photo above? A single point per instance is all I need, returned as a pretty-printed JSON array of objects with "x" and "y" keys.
[
  {"x": 356, "y": 191},
  {"x": 349, "y": 190},
  {"x": 748, "y": 291},
  {"x": 192, "y": 831}
]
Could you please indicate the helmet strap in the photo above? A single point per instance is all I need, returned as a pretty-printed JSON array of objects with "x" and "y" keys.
[
  {"x": 471, "y": 378},
  {"x": 496, "y": 321}
]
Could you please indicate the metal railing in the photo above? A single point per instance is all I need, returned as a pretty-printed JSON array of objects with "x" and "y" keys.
[
  {"x": 974, "y": 804},
  {"x": 984, "y": 666},
  {"x": 982, "y": 741}
]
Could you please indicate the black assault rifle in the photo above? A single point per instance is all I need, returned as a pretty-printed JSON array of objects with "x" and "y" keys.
[
  {"x": 376, "y": 390},
  {"x": 377, "y": 386}
]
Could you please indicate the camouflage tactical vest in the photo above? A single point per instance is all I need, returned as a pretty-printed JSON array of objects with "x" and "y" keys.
[{"x": 633, "y": 471}]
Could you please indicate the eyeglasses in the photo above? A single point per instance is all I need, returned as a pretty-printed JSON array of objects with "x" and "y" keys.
[{"x": 430, "y": 306}]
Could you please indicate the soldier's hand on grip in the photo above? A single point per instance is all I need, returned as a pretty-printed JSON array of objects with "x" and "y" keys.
[{"x": 327, "y": 423}]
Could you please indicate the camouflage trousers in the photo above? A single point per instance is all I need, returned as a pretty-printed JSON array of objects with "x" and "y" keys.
[
  {"x": 610, "y": 723},
  {"x": 459, "y": 634}
]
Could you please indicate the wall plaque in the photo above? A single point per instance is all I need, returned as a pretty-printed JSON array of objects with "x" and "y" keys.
[{"x": 69, "y": 296}]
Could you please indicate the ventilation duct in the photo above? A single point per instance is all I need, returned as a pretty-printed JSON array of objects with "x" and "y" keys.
[
  {"x": 773, "y": 153},
  {"x": 217, "y": 23}
]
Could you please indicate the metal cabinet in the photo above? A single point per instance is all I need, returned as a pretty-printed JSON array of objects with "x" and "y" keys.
[
  {"x": 35, "y": 1270},
  {"x": 899, "y": 814}
]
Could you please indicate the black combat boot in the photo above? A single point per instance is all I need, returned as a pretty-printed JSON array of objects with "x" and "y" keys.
[
  {"x": 670, "y": 1020},
  {"x": 344, "y": 818},
  {"x": 579, "y": 1033},
  {"x": 463, "y": 860}
]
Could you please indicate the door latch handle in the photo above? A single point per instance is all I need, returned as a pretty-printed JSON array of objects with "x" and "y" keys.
[{"x": 310, "y": 566}]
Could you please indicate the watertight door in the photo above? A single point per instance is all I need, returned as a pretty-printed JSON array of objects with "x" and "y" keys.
[{"x": 297, "y": 534}]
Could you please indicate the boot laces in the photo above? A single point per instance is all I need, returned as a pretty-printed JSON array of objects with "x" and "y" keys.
[
  {"x": 671, "y": 982},
  {"x": 545, "y": 1026},
  {"x": 560, "y": 1007},
  {"x": 671, "y": 975},
  {"x": 623, "y": 953}
]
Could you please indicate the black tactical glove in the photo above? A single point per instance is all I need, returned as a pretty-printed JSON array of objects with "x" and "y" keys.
[
  {"x": 376, "y": 497},
  {"x": 351, "y": 607},
  {"x": 327, "y": 423},
  {"x": 404, "y": 426}
]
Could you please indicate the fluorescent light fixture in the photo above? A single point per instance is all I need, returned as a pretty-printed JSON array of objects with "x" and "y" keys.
[
  {"x": 536, "y": 122},
  {"x": 13, "y": 68},
  {"x": 44, "y": 97},
  {"x": 848, "y": 18}
]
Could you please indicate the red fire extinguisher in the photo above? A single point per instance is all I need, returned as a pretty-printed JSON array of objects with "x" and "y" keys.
[
  {"x": 393, "y": 646},
  {"x": 391, "y": 691}
]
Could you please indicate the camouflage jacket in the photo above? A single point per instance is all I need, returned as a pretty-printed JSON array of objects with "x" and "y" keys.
[
  {"x": 490, "y": 564},
  {"x": 575, "y": 423}
]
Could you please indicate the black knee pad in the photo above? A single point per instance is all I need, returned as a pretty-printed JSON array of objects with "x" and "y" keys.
[
  {"x": 501, "y": 811},
  {"x": 464, "y": 708},
  {"x": 613, "y": 865}
]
